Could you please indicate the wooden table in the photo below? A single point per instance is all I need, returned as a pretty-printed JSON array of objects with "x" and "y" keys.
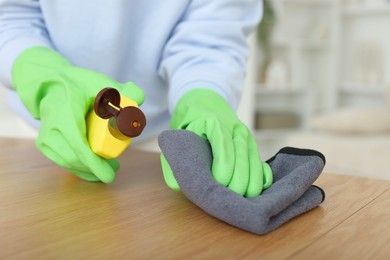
[{"x": 48, "y": 213}]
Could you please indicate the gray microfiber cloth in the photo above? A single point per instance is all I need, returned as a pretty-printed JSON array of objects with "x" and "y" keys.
[{"x": 291, "y": 194}]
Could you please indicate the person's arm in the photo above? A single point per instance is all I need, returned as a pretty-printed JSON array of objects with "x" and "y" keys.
[
  {"x": 21, "y": 27},
  {"x": 204, "y": 63},
  {"x": 209, "y": 48},
  {"x": 54, "y": 91}
]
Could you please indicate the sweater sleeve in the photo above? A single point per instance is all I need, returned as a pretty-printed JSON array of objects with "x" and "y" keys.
[
  {"x": 21, "y": 27},
  {"x": 208, "y": 48}
]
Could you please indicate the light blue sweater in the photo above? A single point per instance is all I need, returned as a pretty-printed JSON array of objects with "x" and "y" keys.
[{"x": 166, "y": 47}]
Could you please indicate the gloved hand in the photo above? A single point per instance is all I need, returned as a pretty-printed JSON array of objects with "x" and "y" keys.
[
  {"x": 236, "y": 162},
  {"x": 60, "y": 95}
]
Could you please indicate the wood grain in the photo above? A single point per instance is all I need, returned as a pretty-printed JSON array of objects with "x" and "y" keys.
[
  {"x": 364, "y": 235},
  {"x": 46, "y": 212}
]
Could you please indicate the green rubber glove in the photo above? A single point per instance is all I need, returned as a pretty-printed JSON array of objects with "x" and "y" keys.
[
  {"x": 236, "y": 161},
  {"x": 60, "y": 96}
]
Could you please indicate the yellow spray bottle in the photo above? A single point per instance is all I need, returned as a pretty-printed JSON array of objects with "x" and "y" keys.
[{"x": 113, "y": 122}]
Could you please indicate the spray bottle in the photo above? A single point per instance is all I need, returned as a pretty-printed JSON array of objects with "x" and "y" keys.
[{"x": 113, "y": 123}]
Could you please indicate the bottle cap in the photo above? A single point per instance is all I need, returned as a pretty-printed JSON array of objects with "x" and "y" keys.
[{"x": 124, "y": 122}]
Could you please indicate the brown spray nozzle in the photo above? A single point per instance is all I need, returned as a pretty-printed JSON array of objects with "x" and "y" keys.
[{"x": 124, "y": 122}]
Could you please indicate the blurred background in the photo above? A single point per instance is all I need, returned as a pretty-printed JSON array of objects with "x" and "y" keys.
[{"x": 318, "y": 78}]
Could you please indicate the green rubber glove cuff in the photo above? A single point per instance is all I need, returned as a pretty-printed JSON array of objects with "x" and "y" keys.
[
  {"x": 199, "y": 103},
  {"x": 30, "y": 69}
]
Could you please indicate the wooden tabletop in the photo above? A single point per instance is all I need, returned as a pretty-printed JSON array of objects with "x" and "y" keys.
[{"x": 46, "y": 212}]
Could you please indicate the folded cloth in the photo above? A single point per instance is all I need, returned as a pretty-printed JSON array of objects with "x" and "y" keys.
[{"x": 292, "y": 193}]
